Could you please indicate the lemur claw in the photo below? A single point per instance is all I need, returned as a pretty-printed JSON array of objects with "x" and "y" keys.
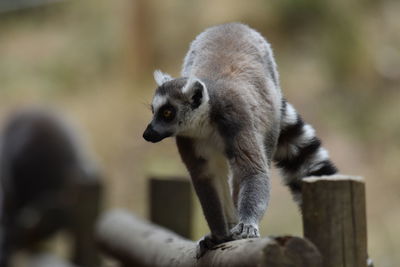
[
  {"x": 203, "y": 246},
  {"x": 244, "y": 230},
  {"x": 207, "y": 243}
]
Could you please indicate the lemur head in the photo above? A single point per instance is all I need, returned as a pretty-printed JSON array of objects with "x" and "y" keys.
[{"x": 177, "y": 106}]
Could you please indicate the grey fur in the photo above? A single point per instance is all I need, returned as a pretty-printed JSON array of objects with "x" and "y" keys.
[
  {"x": 229, "y": 114},
  {"x": 299, "y": 152},
  {"x": 204, "y": 185},
  {"x": 239, "y": 71}
]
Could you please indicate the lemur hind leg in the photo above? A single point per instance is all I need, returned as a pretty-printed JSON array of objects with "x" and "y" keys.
[{"x": 251, "y": 182}]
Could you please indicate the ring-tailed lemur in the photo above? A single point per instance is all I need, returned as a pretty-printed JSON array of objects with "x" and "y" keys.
[{"x": 230, "y": 121}]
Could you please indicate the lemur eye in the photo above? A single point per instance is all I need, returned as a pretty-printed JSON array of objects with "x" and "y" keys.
[{"x": 167, "y": 113}]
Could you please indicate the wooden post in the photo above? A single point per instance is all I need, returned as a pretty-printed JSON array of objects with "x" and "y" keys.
[
  {"x": 171, "y": 204},
  {"x": 334, "y": 219},
  {"x": 135, "y": 242},
  {"x": 84, "y": 214}
]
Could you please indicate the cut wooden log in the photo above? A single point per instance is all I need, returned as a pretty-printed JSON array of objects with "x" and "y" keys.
[
  {"x": 334, "y": 219},
  {"x": 135, "y": 242}
]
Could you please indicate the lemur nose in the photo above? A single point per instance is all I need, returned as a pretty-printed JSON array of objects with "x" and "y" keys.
[
  {"x": 151, "y": 135},
  {"x": 148, "y": 132}
]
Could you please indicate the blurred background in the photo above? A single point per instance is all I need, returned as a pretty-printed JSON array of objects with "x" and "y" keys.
[{"x": 339, "y": 64}]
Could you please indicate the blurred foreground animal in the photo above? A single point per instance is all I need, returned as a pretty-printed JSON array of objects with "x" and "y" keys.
[
  {"x": 230, "y": 122},
  {"x": 47, "y": 183}
]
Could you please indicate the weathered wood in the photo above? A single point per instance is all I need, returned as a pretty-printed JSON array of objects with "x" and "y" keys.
[
  {"x": 84, "y": 215},
  {"x": 171, "y": 204},
  {"x": 47, "y": 260},
  {"x": 137, "y": 243},
  {"x": 334, "y": 219}
]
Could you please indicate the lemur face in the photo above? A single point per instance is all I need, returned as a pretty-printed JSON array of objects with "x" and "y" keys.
[{"x": 174, "y": 105}]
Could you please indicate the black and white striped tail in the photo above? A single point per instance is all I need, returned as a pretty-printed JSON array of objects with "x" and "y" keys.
[{"x": 299, "y": 152}]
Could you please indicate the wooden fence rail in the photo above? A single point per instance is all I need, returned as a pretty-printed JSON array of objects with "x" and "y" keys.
[
  {"x": 136, "y": 242},
  {"x": 333, "y": 219}
]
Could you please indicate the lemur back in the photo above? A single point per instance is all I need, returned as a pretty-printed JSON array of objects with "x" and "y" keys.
[
  {"x": 240, "y": 65},
  {"x": 230, "y": 121}
]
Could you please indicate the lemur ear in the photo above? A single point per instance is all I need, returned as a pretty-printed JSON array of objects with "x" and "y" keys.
[
  {"x": 161, "y": 77},
  {"x": 196, "y": 91}
]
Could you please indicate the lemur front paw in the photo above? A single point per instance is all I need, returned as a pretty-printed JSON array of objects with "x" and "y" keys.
[
  {"x": 245, "y": 230},
  {"x": 208, "y": 242}
]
